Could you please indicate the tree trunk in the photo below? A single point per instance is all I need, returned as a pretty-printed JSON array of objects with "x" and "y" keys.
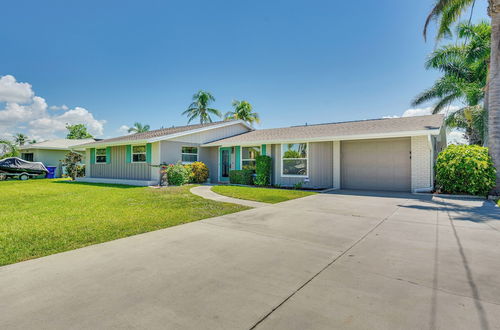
[{"x": 494, "y": 89}]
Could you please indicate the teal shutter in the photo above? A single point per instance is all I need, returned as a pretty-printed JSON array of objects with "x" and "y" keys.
[
  {"x": 238, "y": 157},
  {"x": 108, "y": 155},
  {"x": 92, "y": 155},
  {"x": 264, "y": 146},
  {"x": 148, "y": 153},
  {"x": 128, "y": 157}
]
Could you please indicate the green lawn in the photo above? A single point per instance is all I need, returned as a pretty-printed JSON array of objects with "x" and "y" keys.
[
  {"x": 266, "y": 195},
  {"x": 42, "y": 217}
]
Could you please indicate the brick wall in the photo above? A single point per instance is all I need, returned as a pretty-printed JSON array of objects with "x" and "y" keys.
[{"x": 421, "y": 170}]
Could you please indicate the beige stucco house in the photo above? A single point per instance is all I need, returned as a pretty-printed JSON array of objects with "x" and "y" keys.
[
  {"x": 395, "y": 154},
  {"x": 51, "y": 152}
]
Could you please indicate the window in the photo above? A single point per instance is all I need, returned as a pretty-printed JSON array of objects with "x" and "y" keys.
[
  {"x": 189, "y": 154},
  {"x": 248, "y": 156},
  {"x": 138, "y": 154},
  {"x": 100, "y": 155},
  {"x": 294, "y": 159},
  {"x": 27, "y": 156}
]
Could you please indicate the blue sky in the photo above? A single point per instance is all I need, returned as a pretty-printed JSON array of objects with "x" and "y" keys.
[{"x": 295, "y": 61}]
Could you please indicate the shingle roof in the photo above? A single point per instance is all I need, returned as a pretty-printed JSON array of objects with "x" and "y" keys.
[
  {"x": 57, "y": 144},
  {"x": 343, "y": 129},
  {"x": 157, "y": 133}
]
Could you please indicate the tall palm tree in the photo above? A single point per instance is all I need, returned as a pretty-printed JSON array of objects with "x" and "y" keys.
[
  {"x": 138, "y": 128},
  {"x": 200, "y": 108},
  {"x": 464, "y": 67},
  {"x": 20, "y": 138},
  {"x": 243, "y": 111},
  {"x": 446, "y": 12}
]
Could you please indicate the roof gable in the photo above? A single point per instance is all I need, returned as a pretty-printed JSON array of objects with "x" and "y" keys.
[{"x": 166, "y": 133}]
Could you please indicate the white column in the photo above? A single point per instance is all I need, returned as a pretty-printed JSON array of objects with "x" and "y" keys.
[{"x": 155, "y": 161}]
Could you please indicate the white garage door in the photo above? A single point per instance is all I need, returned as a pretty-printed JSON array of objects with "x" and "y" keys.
[{"x": 381, "y": 164}]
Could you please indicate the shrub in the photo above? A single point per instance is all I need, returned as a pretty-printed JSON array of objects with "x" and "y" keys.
[
  {"x": 263, "y": 170},
  {"x": 465, "y": 169},
  {"x": 177, "y": 175},
  {"x": 241, "y": 177},
  {"x": 198, "y": 172}
]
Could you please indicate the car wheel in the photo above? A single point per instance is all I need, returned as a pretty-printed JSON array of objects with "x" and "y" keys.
[{"x": 24, "y": 177}]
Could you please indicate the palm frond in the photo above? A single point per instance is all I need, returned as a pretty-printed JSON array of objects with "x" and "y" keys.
[
  {"x": 445, "y": 101},
  {"x": 447, "y": 12}
]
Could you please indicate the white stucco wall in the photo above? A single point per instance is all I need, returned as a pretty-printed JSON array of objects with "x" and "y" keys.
[{"x": 421, "y": 163}]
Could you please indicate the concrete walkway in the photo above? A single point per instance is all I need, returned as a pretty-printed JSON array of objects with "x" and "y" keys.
[
  {"x": 346, "y": 260},
  {"x": 207, "y": 193}
]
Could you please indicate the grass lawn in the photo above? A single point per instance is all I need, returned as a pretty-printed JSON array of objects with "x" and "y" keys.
[
  {"x": 266, "y": 195},
  {"x": 42, "y": 217}
]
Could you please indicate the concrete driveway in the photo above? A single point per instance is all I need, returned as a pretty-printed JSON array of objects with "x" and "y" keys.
[{"x": 342, "y": 260}]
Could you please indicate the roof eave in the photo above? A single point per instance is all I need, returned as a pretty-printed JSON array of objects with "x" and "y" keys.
[{"x": 328, "y": 138}]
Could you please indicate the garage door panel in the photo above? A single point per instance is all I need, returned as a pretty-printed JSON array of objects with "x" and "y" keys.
[{"x": 382, "y": 164}]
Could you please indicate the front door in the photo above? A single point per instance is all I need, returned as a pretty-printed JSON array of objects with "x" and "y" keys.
[{"x": 225, "y": 164}]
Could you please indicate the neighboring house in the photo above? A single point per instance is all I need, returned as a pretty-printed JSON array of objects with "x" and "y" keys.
[
  {"x": 52, "y": 152},
  {"x": 395, "y": 154}
]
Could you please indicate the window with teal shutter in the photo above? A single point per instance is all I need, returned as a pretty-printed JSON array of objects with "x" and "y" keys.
[
  {"x": 108, "y": 155},
  {"x": 128, "y": 157},
  {"x": 148, "y": 153},
  {"x": 92, "y": 155}
]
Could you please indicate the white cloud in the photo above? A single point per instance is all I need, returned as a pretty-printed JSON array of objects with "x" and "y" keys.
[
  {"x": 456, "y": 137},
  {"x": 13, "y": 91},
  {"x": 417, "y": 112},
  {"x": 123, "y": 129},
  {"x": 423, "y": 112},
  {"x": 23, "y": 111},
  {"x": 59, "y": 107}
]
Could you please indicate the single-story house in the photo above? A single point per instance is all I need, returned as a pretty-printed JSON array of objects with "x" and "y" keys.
[
  {"x": 52, "y": 152},
  {"x": 394, "y": 154}
]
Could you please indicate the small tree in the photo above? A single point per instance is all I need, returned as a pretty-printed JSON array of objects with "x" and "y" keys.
[
  {"x": 8, "y": 149},
  {"x": 72, "y": 162},
  {"x": 78, "y": 131}
]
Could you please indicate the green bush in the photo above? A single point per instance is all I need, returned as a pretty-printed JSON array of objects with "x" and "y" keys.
[
  {"x": 177, "y": 175},
  {"x": 198, "y": 172},
  {"x": 263, "y": 170},
  {"x": 465, "y": 169},
  {"x": 241, "y": 177}
]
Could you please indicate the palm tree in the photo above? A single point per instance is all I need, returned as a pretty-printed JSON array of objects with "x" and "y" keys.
[
  {"x": 446, "y": 12},
  {"x": 465, "y": 71},
  {"x": 138, "y": 128},
  {"x": 243, "y": 111},
  {"x": 20, "y": 139},
  {"x": 199, "y": 108}
]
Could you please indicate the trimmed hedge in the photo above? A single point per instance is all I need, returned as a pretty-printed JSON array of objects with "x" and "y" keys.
[
  {"x": 465, "y": 169},
  {"x": 263, "y": 170},
  {"x": 241, "y": 177}
]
